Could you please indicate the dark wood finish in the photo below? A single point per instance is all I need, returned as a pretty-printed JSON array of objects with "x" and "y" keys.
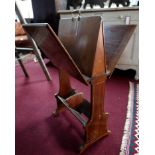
[
  {"x": 78, "y": 40},
  {"x": 86, "y": 51},
  {"x": 53, "y": 48},
  {"x": 96, "y": 127},
  {"x": 65, "y": 90},
  {"x": 116, "y": 39}
]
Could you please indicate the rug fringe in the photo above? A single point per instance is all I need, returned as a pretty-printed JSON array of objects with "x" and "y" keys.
[{"x": 127, "y": 128}]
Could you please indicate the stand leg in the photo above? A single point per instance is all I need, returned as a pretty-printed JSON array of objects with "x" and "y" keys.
[
  {"x": 21, "y": 64},
  {"x": 41, "y": 61},
  {"x": 65, "y": 90},
  {"x": 96, "y": 128}
]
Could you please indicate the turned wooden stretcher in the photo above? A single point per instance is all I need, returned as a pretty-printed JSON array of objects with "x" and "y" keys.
[{"x": 88, "y": 51}]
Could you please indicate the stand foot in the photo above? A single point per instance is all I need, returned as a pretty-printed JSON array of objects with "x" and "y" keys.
[{"x": 84, "y": 147}]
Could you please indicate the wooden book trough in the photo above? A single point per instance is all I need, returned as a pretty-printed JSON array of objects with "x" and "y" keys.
[{"x": 88, "y": 51}]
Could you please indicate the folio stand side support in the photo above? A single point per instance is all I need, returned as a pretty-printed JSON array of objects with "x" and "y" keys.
[{"x": 96, "y": 126}]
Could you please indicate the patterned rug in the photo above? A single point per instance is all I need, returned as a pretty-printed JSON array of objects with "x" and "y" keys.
[{"x": 130, "y": 140}]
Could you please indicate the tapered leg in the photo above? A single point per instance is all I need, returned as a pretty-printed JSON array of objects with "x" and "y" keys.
[{"x": 96, "y": 128}]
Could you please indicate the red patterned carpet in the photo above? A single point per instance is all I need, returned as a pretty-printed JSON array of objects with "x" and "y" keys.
[
  {"x": 130, "y": 140},
  {"x": 38, "y": 133}
]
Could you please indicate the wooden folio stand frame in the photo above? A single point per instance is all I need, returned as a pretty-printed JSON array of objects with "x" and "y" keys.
[{"x": 89, "y": 52}]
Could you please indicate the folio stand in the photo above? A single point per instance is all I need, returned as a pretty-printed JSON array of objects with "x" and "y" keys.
[{"x": 89, "y": 52}]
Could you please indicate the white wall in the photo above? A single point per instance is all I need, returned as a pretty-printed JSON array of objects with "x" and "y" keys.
[{"x": 26, "y": 8}]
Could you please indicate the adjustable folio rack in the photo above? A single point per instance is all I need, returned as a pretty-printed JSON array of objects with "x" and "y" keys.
[{"x": 88, "y": 51}]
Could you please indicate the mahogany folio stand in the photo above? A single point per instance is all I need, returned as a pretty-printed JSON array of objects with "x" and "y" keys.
[{"x": 88, "y": 51}]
